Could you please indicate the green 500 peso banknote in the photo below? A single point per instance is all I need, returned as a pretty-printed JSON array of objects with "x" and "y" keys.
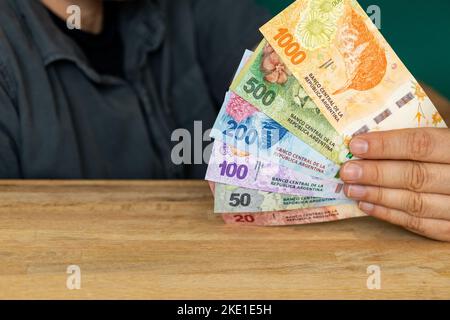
[{"x": 267, "y": 84}]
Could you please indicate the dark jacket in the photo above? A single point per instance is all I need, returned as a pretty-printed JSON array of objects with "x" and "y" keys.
[{"x": 59, "y": 118}]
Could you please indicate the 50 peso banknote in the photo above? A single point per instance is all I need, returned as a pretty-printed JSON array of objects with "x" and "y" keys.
[
  {"x": 234, "y": 199},
  {"x": 347, "y": 68},
  {"x": 230, "y": 166}
]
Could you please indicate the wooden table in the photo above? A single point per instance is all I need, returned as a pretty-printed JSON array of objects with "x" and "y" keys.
[{"x": 161, "y": 240}]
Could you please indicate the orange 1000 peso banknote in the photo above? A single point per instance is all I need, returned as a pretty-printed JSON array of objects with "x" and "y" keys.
[{"x": 347, "y": 67}]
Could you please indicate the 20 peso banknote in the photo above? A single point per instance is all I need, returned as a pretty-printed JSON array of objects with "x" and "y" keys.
[{"x": 295, "y": 217}]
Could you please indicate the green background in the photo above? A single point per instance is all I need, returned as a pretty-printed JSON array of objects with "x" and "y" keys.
[{"x": 418, "y": 31}]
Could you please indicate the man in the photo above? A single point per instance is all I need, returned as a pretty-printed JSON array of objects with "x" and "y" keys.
[{"x": 102, "y": 102}]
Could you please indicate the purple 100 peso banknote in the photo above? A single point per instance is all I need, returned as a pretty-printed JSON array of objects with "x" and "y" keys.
[{"x": 234, "y": 167}]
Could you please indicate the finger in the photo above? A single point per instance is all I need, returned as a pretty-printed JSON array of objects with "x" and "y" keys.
[
  {"x": 425, "y": 144},
  {"x": 410, "y": 175},
  {"x": 421, "y": 205},
  {"x": 431, "y": 228}
]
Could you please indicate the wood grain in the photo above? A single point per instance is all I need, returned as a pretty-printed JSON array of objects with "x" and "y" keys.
[{"x": 160, "y": 240}]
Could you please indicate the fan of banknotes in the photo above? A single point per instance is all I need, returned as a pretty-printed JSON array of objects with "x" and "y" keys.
[{"x": 322, "y": 75}]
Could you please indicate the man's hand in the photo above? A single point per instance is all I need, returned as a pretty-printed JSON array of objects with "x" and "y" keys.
[{"x": 404, "y": 179}]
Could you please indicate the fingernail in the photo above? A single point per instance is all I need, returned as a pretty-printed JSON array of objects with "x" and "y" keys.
[
  {"x": 351, "y": 172},
  {"x": 356, "y": 192},
  {"x": 359, "y": 146},
  {"x": 366, "y": 207}
]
